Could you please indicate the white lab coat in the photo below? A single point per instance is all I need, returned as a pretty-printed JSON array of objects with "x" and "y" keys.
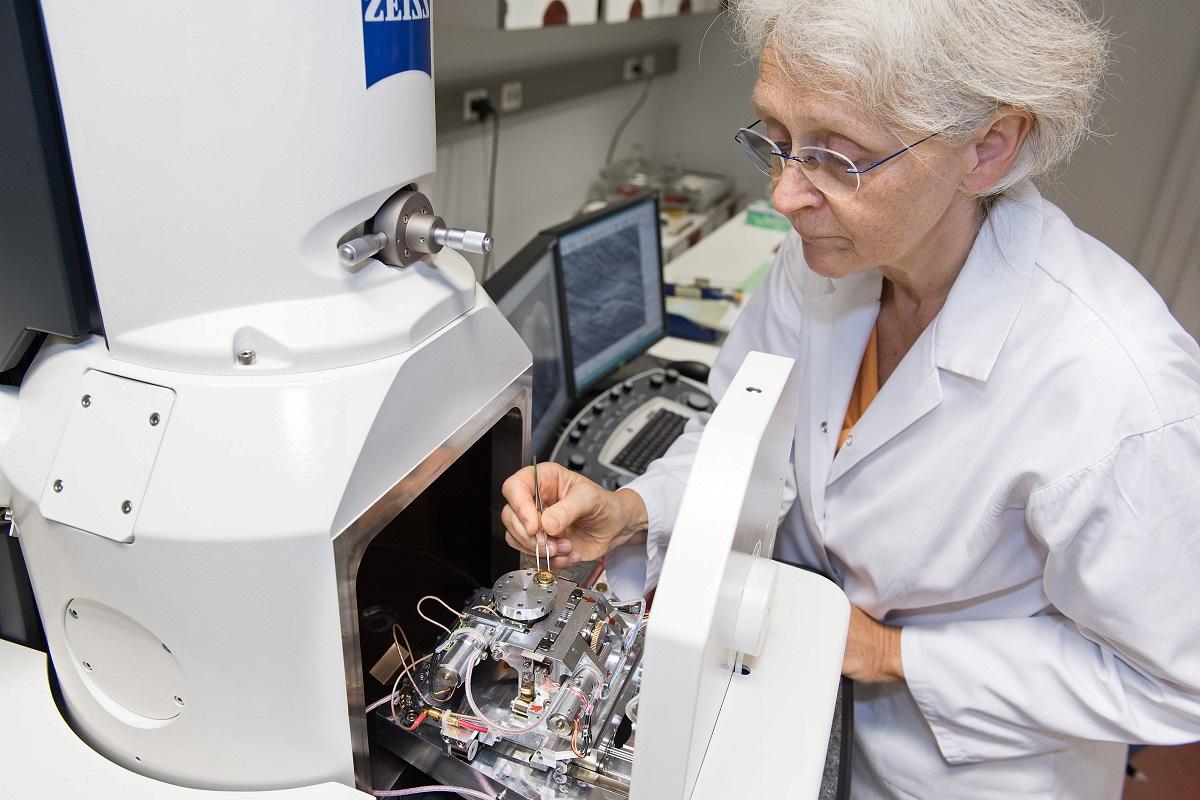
[{"x": 1023, "y": 496}]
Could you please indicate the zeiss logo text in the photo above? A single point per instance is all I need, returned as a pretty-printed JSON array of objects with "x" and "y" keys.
[
  {"x": 395, "y": 10},
  {"x": 396, "y": 38}
]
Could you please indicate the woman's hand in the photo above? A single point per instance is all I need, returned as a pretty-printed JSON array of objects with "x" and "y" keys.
[
  {"x": 872, "y": 650},
  {"x": 583, "y": 520}
]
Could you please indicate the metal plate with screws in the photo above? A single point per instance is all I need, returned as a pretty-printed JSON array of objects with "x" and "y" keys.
[
  {"x": 102, "y": 468},
  {"x": 519, "y": 596}
]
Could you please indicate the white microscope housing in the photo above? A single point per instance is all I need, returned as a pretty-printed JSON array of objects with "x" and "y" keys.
[
  {"x": 296, "y": 423},
  {"x": 195, "y": 489}
]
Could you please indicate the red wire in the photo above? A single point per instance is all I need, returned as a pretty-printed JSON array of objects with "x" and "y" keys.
[
  {"x": 574, "y": 737},
  {"x": 471, "y": 726},
  {"x": 416, "y": 722}
]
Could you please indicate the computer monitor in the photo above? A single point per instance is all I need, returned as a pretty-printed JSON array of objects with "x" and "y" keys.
[
  {"x": 611, "y": 267},
  {"x": 526, "y": 291}
]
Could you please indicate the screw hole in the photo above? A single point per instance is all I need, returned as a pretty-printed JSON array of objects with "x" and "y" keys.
[
  {"x": 155, "y": 419},
  {"x": 137, "y": 759},
  {"x": 74, "y": 613},
  {"x": 178, "y": 700},
  {"x": 87, "y": 666},
  {"x": 745, "y": 670},
  {"x": 86, "y": 400},
  {"x": 754, "y": 390}
]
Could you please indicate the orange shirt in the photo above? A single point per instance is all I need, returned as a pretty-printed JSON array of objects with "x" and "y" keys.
[{"x": 866, "y": 386}]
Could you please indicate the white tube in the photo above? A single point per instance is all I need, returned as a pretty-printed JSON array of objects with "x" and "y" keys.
[
  {"x": 475, "y": 793},
  {"x": 641, "y": 612},
  {"x": 496, "y": 726}
]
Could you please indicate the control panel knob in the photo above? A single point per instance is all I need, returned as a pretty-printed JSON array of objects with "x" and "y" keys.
[
  {"x": 599, "y": 407},
  {"x": 584, "y": 423},
  {"x": 656, "y": 380},
  {"x": 627, "y": 386},
  {"x": 672, "y": 375},
  {"x": 697, "y": 401},
  {"x": 576, "y": 462},
  {"x": 575, "y": 435},
  {"x": 615, "y": 393}
]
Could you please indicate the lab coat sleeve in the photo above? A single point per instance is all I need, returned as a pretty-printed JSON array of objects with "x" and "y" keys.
[
  {"x": 768, "y": 323},
  {"x": 1118, "y": 659}
]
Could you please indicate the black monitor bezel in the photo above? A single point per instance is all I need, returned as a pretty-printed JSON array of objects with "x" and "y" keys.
[
  {"x": 509, "y": 275},
  {"x": 572, "y": 225}
]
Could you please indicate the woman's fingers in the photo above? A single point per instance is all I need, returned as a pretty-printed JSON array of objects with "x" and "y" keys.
[
  {"x": 518, "y": 491},
  {"x": 516, "y": 533},
  {"x": 578, "y": 502},
  {"x": 519, "y": 538}
]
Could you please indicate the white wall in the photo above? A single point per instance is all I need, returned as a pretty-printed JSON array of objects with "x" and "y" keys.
[
  {"x": 1113, "y": 186},
  {"x": 549, "y": 157},
  {"x": 1110, "y": 185}
]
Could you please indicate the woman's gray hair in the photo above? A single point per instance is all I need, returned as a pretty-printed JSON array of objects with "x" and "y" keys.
[{"x": 919, "y": 66}]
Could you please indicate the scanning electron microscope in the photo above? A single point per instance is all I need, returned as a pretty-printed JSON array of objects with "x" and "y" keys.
[{"x": 253, "y": 469}]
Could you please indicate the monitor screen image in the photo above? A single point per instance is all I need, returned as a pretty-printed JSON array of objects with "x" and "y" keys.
[
  {"x": 612, "y": 284},
  {"x": 526, "y": 292}
]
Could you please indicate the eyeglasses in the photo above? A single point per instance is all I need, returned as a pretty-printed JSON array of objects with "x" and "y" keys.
[{"x": 831, "y": 172}]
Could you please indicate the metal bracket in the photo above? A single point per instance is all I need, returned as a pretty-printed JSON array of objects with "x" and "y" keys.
[
  {"x": 393, "y": 220},
  {"x": 405, "y": 230}
]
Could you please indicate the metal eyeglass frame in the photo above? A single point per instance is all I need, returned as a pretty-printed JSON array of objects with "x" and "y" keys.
[{"x": 786, "y": 157}]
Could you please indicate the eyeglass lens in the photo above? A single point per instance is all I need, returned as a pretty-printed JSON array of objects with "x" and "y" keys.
[{"x": 831, "y": 172}]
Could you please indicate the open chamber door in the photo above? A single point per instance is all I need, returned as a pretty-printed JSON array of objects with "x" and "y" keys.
[{"x": 743, "y": 658}]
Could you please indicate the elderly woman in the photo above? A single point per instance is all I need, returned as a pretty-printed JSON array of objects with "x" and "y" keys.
[{"x": 997, "y": 453}]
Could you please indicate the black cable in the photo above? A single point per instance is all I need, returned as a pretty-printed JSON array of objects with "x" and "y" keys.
[
  {"x": 612, "y": 146},
  {"x": 845, "y": 761},
  {"x": 491, "y": 197}
]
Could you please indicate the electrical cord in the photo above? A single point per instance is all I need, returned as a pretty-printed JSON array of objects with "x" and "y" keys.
[
  {"x": 616, "y": 138},
  {"x": 432, "y": 621},
  {"x": 491, "y": 195}
]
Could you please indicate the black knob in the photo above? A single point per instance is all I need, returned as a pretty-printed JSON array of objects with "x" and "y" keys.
[
  {"x": 627, "y": 386},
  {"x": 697, "y": 401},
  {"x": 575, "y": 435},
  {"x": 656, "y": 379},
  {"x": 599, "y": 407},
  {"x": 576, "y": 462},
  {"x": 583, "y": 423},
  {"x": 672, "y": 375},
  {"x": 615, "y": 393}
]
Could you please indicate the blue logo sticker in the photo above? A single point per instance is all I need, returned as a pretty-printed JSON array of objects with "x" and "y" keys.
[{"x": 396, "y": 38}]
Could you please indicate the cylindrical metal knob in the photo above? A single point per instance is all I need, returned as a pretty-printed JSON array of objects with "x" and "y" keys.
[
  {"x": 461, "y": 239},
  {"x": 571, "y": 702},
  {"x": 452, "y": 668},
  {"x": 359, "y": 249}
]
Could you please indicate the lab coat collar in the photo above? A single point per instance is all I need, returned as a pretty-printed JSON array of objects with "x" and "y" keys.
[
  {"x": 965, "y": 338},
  {"x": 983, "y": 304}
]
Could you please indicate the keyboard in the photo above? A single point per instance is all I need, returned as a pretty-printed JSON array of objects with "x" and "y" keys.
[
  {"x": 663, "y": 427},
  {"x": 620, "y": 431}
]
